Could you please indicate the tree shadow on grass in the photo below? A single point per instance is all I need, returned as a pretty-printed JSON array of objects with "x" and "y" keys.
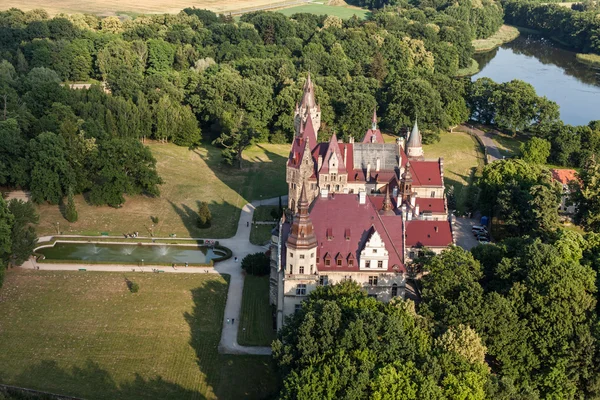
[
  {"x": 231, "y": 376},
  {"x": 93, "y": 382},
  {"x": 256, "y": 180},
  {"x": 224, "y": 216}
]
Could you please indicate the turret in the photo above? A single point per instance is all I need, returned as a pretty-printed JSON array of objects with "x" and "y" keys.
[
  {"x": 414, "y": 148},
  {"x": 302, "y": 239}
]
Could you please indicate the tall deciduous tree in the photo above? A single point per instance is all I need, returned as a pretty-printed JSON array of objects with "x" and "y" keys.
[
  {"x": 23, "y": 235},
  {"x": 586, "y": 194}
]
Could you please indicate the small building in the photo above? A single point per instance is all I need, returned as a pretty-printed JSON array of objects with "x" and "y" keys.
[{"x": 565, "y": 177}]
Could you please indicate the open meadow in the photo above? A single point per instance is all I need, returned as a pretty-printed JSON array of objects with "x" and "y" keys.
[
  {"x": 343, "y": 12},
  {"x": 190, "y": 176},
  {"x": 84, "y": 334}
]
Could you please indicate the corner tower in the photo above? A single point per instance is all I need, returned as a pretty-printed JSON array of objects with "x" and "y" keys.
[{"x": 302, "y": 241}]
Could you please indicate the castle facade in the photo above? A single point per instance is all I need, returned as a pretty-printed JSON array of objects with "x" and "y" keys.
[{"x": 361, "y": 211}]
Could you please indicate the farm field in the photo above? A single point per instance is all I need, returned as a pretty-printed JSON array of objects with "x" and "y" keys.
[
  {"x": 190, "y": 176},
  {"x": 86, "y": 335},
  {"x": 343, "y": 12},
  {"x": 256, "y": 325},
  {"x": 115, "y": 7}
]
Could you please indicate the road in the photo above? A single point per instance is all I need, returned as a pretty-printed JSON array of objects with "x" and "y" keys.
[
  {"x": 490, "y": 147},
  {"x": 240, "y": 246}
]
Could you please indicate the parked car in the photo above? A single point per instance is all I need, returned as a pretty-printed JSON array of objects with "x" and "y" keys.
[
  {"x": 479, "y": 228},
  {"x": 482, "y": 237},
  {"x": 483, "y": 241}
]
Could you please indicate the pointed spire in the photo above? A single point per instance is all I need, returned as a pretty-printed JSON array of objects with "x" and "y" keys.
[
  {"x": 387, "y": 203},
  {"x": 302, "y": 234},
  {"x": 374, "y": 120},
  {"x": 308, "y": 97},
  {"x": 303, "y": 202},
  {"x": 414, "y": 146}
]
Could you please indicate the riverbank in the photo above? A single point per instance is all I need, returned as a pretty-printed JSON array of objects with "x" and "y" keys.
[
  {"x": 505, "y": 34},
  {"x": 468, "y": 71},
  {"x": 592, "y": 60}
]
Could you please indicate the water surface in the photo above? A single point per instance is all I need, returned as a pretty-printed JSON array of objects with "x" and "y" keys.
[
  {"x": 553, "y": 71},
  {"x": 128, "y": 253}
]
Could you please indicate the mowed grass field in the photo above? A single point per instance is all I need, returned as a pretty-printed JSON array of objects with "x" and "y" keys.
[
  {"x": 190, "y": 176},
  {"x": 86, "y": 335},
  {"x": 343, "y": 12},
  {"x": 256, "y": 325},
  {"x": 116, "y": 7},
  {"x": 461, "y": 154}
]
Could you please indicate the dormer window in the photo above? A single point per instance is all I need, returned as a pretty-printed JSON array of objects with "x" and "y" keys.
[{"x": 339, "y": 262}]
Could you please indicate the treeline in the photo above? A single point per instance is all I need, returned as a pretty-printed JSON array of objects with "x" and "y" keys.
[
  {"x": 54, "y": 140},
  {"x": 241, "y": 79},
  {"x": 579, "y": 30},
  {"x": 485, "y": 20},
  {"x": 514, "y": 106}
]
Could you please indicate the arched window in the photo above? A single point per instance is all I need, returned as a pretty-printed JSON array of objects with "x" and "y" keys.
[
  {"x": 394, "y": 290},
  {"x": 293, "y": 205}
]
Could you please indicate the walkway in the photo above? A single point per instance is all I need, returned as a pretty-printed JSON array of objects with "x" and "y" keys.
[
  {"x": 486, "y": 138},
  {"x": 240, "y": 246}
]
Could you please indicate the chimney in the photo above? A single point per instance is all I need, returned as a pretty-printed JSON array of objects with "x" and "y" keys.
[
  {"x": 368, "y": 177},
  {"x": 435, "y": 228},
  {"x": 351, "y": 139},
  {"x": 324, "y": 193},
  {"x": 319, "y": 163},
  {"x": 395, "y": 192},
  {"x": 410, "y": 215},
  {"x": 362, "y": 197},
  {"x": 345, "y": 154},
  {"x": 404, "y": 212},
  {"x": 442, "y": 167},
  {"x": 417, "y": 213},
  {"x": 413, "y": 199},
  {"x": 378, "y": 165}
]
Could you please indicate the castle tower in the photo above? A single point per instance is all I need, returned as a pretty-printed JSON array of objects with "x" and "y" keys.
[
  {"x": 302, "y": 241},
  {"x": 414, "y": 148},
  {"x": 374, "y": 120},
  {"x": 333, "y": 175},
  {"x": 308, "y": 109}
]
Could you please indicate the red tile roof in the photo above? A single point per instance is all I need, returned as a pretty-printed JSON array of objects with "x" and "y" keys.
[
  {"x": 373, "y": 133},
  {"x": 428, "y": 233},
  {"x": 436, "y": 206},
  {"x": 564, "y": 176},
  {"x": 333, "y": 148},
  {"x": 426, "y": 173},
  {"x": 340, "y": 214}
]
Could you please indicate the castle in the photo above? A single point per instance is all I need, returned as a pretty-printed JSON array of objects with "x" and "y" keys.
[{"x": 361, "y": 211}]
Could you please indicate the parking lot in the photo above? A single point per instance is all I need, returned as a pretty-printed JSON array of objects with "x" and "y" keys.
[{"x": 463, "y": 234}]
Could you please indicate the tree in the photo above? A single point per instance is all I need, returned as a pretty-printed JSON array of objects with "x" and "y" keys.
[
  {"x": 341, "y": 341},
  {"x": 256, "y": 264},
  {"x": 204, "y": 215},
  {"x": 586, "y": 194},
  {"x": 51, "y": 173},
  {"x": 535, "y": 150},
  {"x": 6, "y": 222},
  {"x": 23, "y": 235},
  {"x": 465, "y": 342},
  {"x": 238, "y": 138},
  {"x": 70, "y": 209}
]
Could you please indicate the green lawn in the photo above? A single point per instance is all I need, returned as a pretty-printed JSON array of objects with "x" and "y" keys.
[
  {"x": 190, "y": 176},
  {"x": 461, "y": 154},
  {"x": 507, "y": 145},
  {"x": 256, "y": 325},
  {"x": 86, "y": 335},
  {"x": 261, "y": 234},
  {"x": 321, "y": 9}
]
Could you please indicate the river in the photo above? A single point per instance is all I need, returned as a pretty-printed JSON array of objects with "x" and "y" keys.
[{"x": 553, "y": 71}]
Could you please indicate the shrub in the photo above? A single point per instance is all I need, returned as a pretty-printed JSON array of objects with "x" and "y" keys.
[
  {"x": 204, "y": 215},
  {"x": 154, "y": 220},
  {"x": 133, "y": 287},
  {"x": 256, "y": 264}
]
